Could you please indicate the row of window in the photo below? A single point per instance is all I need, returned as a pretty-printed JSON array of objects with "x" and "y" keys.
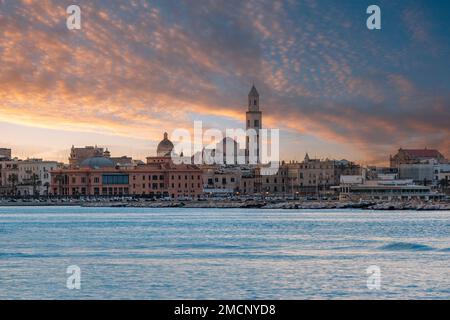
[
  {"x": 155, "y": 186},
  {"x": 151, "y": 177},
  {"x": 224, "y": 180}
]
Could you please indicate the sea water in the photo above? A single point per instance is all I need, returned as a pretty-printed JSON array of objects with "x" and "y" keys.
[{"x": 176, "y": 253}]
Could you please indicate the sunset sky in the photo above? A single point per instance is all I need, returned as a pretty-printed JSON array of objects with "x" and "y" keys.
[{"x": 138, "y": 68}]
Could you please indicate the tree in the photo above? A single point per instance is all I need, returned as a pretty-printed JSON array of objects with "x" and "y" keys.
[
  {"x": 444, "y": 183},
  {"x": 13, "y": 179},
  {"x": 59, "y": 178},
  {"x": 35, "y": 182},
  {"x": 47, "y": 186}
]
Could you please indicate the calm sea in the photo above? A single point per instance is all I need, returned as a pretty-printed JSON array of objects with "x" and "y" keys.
[{"x": 132, "y": 253}]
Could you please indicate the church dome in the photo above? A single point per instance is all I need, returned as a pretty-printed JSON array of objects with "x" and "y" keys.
[
  {"x": 165, "y": 147},
  {"x": 97, "y": 162}
]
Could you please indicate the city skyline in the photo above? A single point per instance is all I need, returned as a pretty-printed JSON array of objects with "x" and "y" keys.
[{"x": 133, "y": 72}]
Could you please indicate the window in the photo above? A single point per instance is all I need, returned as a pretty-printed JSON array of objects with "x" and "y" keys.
[
  {"x": 256, "y": 123},
  {"x": 155, "y": 177},
  {"x": 115, "y": 179},
  {"x": 96, "y": 180}
]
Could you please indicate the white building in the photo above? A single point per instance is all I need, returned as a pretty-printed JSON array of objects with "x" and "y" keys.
[
  {"x": 355, "y": 188},
  {"x": 429, "y": 172},
  {"x": 441, "y": 172},
  {"x": 26, "y": 177}
]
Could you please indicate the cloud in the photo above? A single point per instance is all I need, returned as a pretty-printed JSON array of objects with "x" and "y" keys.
[{"x": 146, "y": 67}]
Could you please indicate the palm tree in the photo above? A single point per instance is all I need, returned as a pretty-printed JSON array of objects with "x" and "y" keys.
[
  {"x": 35, "y": 182},
  {"x": 47, "y": 186},
  {"x": 444, "y": 183},
  {"x": 60, "y": 179},
  {"x": 13, "y": 179}
]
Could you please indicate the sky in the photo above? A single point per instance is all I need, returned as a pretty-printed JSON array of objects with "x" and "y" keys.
[{"x": 138, "y": 68}]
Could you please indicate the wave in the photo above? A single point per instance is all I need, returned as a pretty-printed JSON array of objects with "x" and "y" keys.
[
  {"x": 406, "y": 246},
  {"x": 29, "y": 255}
]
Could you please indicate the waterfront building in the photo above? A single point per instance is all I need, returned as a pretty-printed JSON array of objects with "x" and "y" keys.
[
  {"x": 26, "y": 177},
  {"x": 226, "y": 180},
  {"x": 101, "y": 176},
  {"x": 421, "y": 173},
  {"x": 358, "y": 188},
  {"x": 414, "y": 156},
  {"x": 248, "y": 183},
  {"x": 425, "y": 173},
  {"x": 443, "y": 178},
  {"x": 275, "y": 183},
  {"x": 221, "y": 178},
  {"x": 315, "y": 177},
  {"x": 372, "y": 172}
]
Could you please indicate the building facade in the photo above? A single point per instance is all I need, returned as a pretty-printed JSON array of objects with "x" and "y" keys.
[
  {"x": 357, "y": 188},
  {"x": 26, "y": 177},
  {"x": 315, "y": 177},
  {"x": 415, "y": 156},
  {"x": 101, "y": 176}
]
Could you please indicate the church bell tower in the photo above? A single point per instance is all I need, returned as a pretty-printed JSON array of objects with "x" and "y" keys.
[{"x": 253, "y": 121}]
